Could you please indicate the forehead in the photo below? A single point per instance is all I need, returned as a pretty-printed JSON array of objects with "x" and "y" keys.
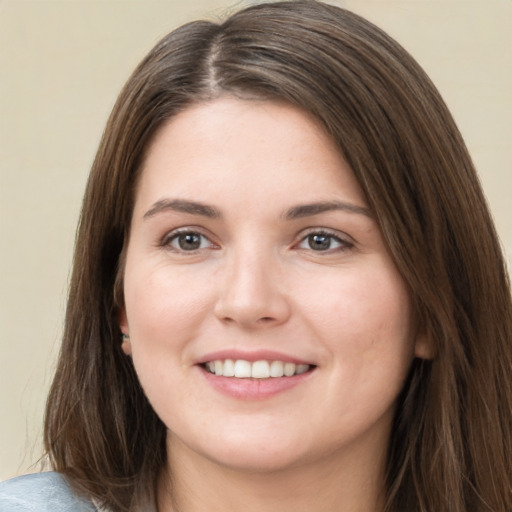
[{"x": 228, "y": 147}]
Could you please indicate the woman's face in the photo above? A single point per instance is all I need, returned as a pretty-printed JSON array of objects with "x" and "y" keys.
[{"x": 268, "y": 325}]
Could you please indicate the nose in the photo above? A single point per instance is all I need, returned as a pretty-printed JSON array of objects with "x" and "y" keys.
[{"x": 252, "y": 294}]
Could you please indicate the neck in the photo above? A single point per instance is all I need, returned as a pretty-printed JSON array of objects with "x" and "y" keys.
[{"x": 336, "y": 483}]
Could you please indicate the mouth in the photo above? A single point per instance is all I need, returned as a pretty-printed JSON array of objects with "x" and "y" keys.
[
  {"x": 262, "y": 369},
  {"x": 256, "y": 375}
]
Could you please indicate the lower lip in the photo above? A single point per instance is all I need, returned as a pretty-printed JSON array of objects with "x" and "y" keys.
[{"x": 253, "y": 389}]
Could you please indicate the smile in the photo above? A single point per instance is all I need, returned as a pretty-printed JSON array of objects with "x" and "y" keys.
[{"x": 263, "y": 369}]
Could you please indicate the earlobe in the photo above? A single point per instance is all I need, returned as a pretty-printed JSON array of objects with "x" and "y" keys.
[
  {"x": 126, "y": 345},
  {"x": 424, "y": 347}
]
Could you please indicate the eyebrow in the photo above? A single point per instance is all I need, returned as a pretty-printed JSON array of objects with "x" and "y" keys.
[
  {"x": 306, "y": 210},
  {"x": 296, "y": 212},
  {"x": 183, "y": 206}
]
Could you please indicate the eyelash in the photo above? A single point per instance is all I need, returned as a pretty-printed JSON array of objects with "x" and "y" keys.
[
  {"x": 174, "y": 236},
  {"x": 343, "y": 243}
]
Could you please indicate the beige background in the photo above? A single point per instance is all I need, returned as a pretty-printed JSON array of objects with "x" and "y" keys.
[{"x": 62, "y": 64}]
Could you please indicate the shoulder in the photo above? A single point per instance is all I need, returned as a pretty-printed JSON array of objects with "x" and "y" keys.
[{"x": 41, "y": 492}]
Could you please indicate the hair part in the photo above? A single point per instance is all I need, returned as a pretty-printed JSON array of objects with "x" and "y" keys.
[{"x": 452, "y": 434}]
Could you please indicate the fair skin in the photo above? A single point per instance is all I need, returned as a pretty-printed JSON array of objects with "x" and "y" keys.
[{"x": 251, "y": 241}]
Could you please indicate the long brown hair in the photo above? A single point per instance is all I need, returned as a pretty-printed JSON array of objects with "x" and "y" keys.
[{"x": 451, "y": 445}]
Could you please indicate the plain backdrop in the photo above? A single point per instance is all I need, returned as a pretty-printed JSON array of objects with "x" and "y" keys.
[{"x": 62, "y": 64}]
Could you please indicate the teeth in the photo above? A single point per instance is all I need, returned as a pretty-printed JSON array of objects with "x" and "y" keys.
[
  {"x": 289, "y": 369},
  {"x": 242, "y": 368},
  {"x": 229, "y": 368},
  {"x": 276, "y": 369},
  {"x": 258, "y": 370},
  {"x": 301, "y": 368}
]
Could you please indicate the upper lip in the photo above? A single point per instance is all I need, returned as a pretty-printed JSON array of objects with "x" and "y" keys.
[{"x": 251, "y": 356}]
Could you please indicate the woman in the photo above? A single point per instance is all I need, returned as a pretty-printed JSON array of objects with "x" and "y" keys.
[{"x": 287, "y": 290}]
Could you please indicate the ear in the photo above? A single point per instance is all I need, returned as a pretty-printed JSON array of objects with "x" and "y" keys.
[
  {"x": 126, "y": 344},
  {"x": 424, "y": 346}
]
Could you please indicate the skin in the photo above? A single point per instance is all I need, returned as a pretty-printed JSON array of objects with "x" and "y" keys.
[{"x": 255, "y": 283}]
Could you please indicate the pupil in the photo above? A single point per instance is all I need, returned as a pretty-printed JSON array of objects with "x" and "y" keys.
[
  {"x": 189, "y": 241},
  {"x": 319, "y": 242}
]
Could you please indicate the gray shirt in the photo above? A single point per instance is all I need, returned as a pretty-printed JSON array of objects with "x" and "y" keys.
[{"x": 42, "y": 492}]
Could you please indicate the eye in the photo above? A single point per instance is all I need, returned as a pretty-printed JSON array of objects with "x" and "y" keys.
[
  {"x": 187, "y": 241},
  {"x": 321, "y": 241}
]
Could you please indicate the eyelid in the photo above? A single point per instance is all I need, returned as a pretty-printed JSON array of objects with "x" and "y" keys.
[
  {"x": 346, "y": 241},
  {"x": 166, "y": 240}
]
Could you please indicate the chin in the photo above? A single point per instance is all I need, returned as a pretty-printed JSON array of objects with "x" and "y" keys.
[
  {"x": 256, "y": 461},
  {"x": 243, "y": 451}
]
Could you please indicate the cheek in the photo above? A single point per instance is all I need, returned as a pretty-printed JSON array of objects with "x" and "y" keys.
[
  {"x": 164, "y": 312},
  {"x": 164, "y": 305},
  {"x": 364, "y": 302},
  {"x": 364, "y": 321}
]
